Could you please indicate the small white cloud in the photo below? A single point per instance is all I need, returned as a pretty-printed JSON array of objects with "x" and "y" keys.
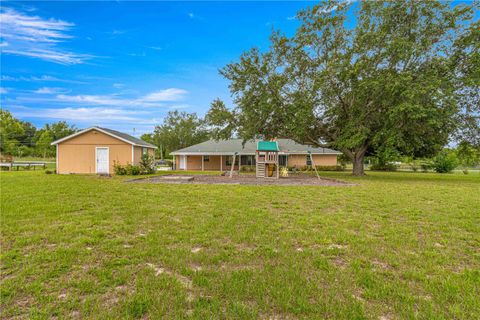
[
  {"x": 43, "y": 78},
  {"x": 47, "y": 90},
  {"x": 155, "y": 48},
  {"x": 140, "y": 54},
  {"x": 118, "y": 85},
  {"x": 103, "y": 100},
  {"x": 3, "y": 90},
  {"x": 66, "y": 58},
  {"x": 117, "y": 32},
  {"x": 292, "y": 18},
  {"x": 171, "y": 94},
  {"x": 3, "y": 44},
  {"x": 191, "y": 15}
]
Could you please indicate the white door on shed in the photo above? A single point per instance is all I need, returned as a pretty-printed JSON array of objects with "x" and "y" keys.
[
  {"x": 102, "y": 160},
  {"x": 182, "y": 162}
]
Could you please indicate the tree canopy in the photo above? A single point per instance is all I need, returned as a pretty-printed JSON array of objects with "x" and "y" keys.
[
  {"x": 390, "y": 81},
  {"x": 178, "y": 130},
  {"x": 21, "y": 138}
]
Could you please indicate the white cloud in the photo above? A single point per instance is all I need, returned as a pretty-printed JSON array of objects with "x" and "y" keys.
[
  {"x": 50, "y": 55},
  {"x": 43, "y": 78},
  {"x": 155, "y": 48},
  {"x": 118, "y": 85},
  {"x": 36, "y": 37},
  {"x": 171, "y": 94},
  {"x": 82, "y": 114},
  {"x": 3, "y": 44},
  {"x": 153, "y": 99},
  {"x": 47, "y": 90},
  {"x": 3, "y": 90},
  {"x": 191, "y": 15},
  {"x": 101, "y": 100}
]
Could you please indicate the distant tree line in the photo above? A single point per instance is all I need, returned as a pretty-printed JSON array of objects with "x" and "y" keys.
[{"x": 22, "y": 139}]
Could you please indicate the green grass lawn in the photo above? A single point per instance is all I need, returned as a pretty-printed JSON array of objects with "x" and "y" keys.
[{"x": 398, "y": 245}]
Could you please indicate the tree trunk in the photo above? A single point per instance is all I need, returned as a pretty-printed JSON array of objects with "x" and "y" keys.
[{"x": 358, "y": 164}]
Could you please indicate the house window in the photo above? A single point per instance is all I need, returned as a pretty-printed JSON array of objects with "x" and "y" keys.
[
  {"x": 309, "y": 160},
  {"x": 206, "y": 158},
  {"x": 247, "y": 160},
  {"x": 229, "y": 159},
  {"x": 144, "y": 150}
]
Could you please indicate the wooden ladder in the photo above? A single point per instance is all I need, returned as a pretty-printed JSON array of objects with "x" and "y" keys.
[{"x": 261, "y": 170}]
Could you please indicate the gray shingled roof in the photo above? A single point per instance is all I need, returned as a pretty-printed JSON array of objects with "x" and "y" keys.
[
  {"x": 127, "y": 137},
  {"x": 235, "y": 145}
]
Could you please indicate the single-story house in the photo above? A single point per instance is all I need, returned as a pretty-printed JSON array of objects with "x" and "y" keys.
[
  {"x": 218, "y": 155},
  {"x": 95, "y": 149}
]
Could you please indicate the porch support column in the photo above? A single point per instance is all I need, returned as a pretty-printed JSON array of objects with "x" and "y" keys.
[
  {"x": 202, "y": 163},
  {"x": 239, "y": 163},
  {"x": 221, "y": 163}
]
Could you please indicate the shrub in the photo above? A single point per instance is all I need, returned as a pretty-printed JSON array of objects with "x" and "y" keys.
[
  {"x": 383, "y": 167},
  {"x": 425, "y": 166},
  {"x": 132, "y": 170},
  {"x": 147, "y": 164},
  {"x": 247, "y": 168},
  {"x": 444, "y": 162},
  {"x": 119, "y": 169},
  {"x": 330, "y": 168},
  {"x": 48, "y": 171}
]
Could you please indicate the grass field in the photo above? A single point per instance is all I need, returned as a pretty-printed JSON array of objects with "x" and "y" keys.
[{"x": 397, "y": 245}]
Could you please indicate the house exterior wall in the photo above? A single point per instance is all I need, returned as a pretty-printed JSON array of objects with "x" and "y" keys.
[
  {"x": 294, "y": 160},
  {"x": 77, "y": 155},
  {"x": 194, "y": 162},
  {"x": 325, "y": 159},
  {"x": 138, "y": 151},
  {"x": 212, "y": 164},
  {"x": 300, "y": 160}
]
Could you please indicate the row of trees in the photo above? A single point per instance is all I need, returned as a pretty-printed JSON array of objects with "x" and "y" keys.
[{"x": 23, "y": 139}]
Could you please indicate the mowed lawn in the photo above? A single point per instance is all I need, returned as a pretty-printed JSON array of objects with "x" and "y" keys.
[{"x": 396, "y": 246}]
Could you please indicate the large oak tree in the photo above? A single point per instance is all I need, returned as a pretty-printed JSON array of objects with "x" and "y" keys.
[{"x": 385, "y": 80}]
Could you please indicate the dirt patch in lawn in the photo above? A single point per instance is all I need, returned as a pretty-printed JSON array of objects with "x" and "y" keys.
[{"x": 297, "y": 179}]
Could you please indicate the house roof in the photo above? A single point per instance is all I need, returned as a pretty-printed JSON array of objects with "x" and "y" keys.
[
  {"x": 232, "y": 146},
  {"x": 267, "y": 146},
  {"x": 114, "y": 133}
]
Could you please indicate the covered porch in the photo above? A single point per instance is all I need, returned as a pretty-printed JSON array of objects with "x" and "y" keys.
[{"x": 222, "y": 162}]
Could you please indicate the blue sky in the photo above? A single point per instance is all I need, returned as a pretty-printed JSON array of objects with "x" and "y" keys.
[{"x": 124, "y": 65}]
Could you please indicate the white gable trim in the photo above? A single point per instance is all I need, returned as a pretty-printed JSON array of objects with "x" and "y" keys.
[{"x": 102, "y": 131}]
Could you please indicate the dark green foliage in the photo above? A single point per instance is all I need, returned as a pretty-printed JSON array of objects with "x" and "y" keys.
[
  {"x": 179, "y": 130},
  {"x": 247, "y": 168},
  {"x": 323, "y": 168},
  {"x": 147, "y": 164},
  {"x": 119, "y": 169},
  {"x": 445, "y": 162},
  {"x": 132, "y": 170},
  {"x": 21, "y": 138},
  {"x": 391, "y": 81},
  {"x": 383, "y": 167}
]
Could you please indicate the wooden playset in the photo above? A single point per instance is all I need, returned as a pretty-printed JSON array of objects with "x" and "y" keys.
[{"x": 266, "y": 157}]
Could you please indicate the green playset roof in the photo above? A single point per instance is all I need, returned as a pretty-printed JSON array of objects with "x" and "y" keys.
[{"x": 267, "y": 146}]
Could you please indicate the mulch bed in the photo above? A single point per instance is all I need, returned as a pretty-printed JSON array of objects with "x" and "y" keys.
[{"x": 295, "y": 179}]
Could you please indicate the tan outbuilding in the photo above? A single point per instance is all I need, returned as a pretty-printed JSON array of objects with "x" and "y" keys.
[{"x": 94, "y": 150}]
